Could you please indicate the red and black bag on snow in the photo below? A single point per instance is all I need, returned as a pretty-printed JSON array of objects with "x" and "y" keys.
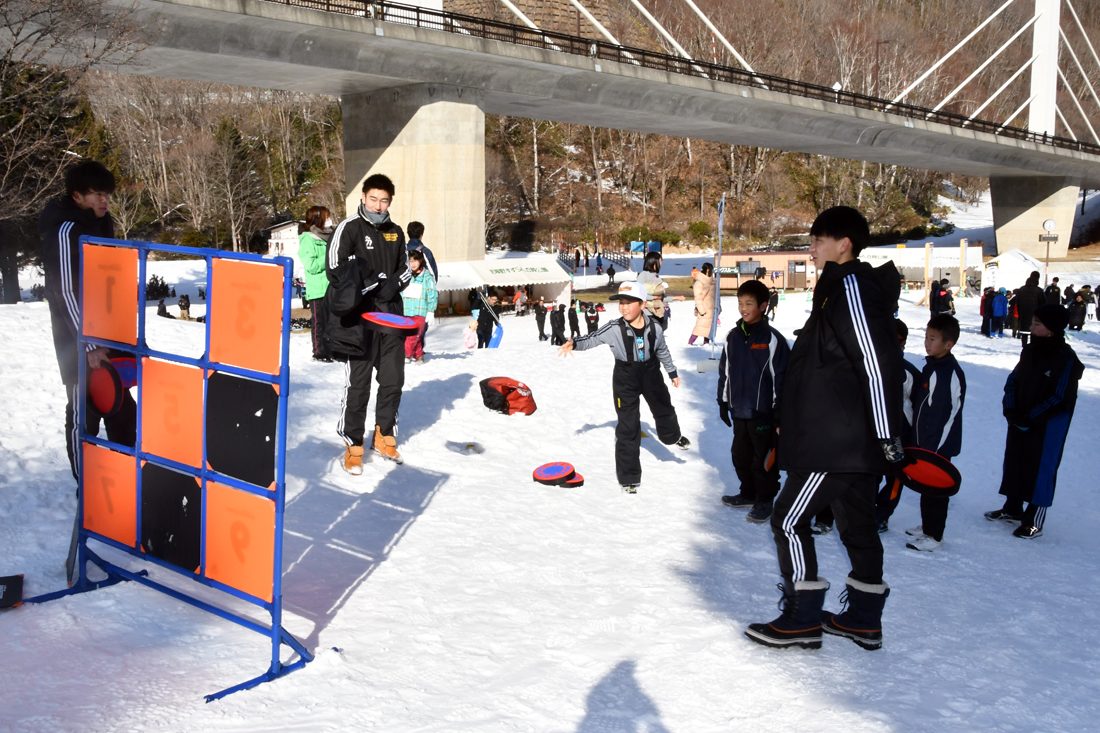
[{"x": 506, "y": 395}]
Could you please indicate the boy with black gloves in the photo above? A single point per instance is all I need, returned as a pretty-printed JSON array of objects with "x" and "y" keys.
[
  {"x": 638, "y": 343},
  {"x": 367, "y": 268},
  {"x": 938, "y": 399},
  {"x": 750, "y": 377},
  {"x": 839, "y": 428}
]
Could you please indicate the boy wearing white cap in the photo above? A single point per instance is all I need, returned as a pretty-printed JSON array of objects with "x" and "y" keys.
[{"x": 638, "y": 343}]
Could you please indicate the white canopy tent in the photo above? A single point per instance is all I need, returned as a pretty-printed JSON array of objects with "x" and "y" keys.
[
  {"x": 1009, "y": 270},
  {"x": 542, "y": 273}
]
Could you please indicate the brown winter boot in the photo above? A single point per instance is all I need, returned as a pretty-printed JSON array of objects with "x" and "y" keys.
[
  {"x": 353, "y": 460},
  {"x": 386, "y": 445}
]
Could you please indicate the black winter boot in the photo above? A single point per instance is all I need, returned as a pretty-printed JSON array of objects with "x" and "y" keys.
[
  {"x": 799, "y": 624},
  {"x": 861, "y": 618}
]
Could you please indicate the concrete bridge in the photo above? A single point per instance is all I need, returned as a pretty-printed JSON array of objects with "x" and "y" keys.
[{"x": 415, "y": 87}]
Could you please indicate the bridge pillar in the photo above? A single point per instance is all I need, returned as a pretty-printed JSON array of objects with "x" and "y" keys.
[
  {"x": 431, "y": 141},
  {"x": 1021, "y": 205}
]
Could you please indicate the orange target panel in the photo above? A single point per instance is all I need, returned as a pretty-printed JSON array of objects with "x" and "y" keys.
[
  {"x": 110, "y": 494},
  {"x": 110, "y": 293},
  {"x": 240, "y": 539},
  {"x": 171, "y": 411},
  {"x": 246, "y": 319}
]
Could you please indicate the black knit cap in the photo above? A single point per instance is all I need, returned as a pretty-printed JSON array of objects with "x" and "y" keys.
[{"x": 1053, "y": 316}]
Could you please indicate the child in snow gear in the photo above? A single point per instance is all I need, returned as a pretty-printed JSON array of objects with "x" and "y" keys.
[
  {"x": 574, "y": 320},
  {"x": 750, "y": 379},
  {"x": 367, "y": 269},
  {"x": 638, "y": 345},
  {"x": 890, "y": 492},
  {"x": 1040, "y": 395},
  {"x": 418, "y": 300},
  {"x": 937, "y": 403},
  {"x": 840, "y": 417}
]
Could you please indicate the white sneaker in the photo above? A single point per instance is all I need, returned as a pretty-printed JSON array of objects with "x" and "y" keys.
[
  {"x": 917, "y": 531},
  {"x": 924, "y": 543}
]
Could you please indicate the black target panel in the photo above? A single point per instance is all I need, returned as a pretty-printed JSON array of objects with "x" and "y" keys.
[
  {"x": 241, "y": 418},
  {"x": 171, "y": 516}
]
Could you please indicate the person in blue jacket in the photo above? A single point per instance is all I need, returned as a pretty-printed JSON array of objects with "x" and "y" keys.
[
  {"x": 1040, "y": 395},
  {"x": 750, "y": 378},
  {"x": 938, "y": 399},
  {"x": 999, "y": 308}
]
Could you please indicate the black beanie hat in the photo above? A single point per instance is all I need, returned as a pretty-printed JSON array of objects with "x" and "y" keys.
[{"x": 1053, "y": 316}]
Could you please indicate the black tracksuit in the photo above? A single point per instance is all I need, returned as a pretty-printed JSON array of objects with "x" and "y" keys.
[
  {"x": 60, "y": 227},
  {"x": 890, "y": 493},
  {"x": 1039, "y": 398},
  {"x": 371, "y": 261},
  {"x": 574, "y": 322},
  {"x": 750, "y": 380},
  {"x": 1028, "y": 298},
  {"x": 540, "y": 320},
  {"x": 842, "y": 396},
  {"x": 639, "y": 356},
  {"x": 557, "y": 326},
  {"x": 487, "y": 317}
]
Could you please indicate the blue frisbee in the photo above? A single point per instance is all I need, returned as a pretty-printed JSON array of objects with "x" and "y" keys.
[{"x": 554, "y": 474}]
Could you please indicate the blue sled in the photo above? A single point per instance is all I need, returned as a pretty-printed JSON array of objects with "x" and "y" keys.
[{"x": 498, "y": 334}]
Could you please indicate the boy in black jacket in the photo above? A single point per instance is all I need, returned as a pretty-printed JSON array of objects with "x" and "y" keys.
[
  {"x": 750, "y": 378},
  {"x": 938, "y": 399},
  {"x": 1040, "y": 395},
  {"x": 839, "y": 428},
  {"x": 367, "y": 268},
  {"x": 638, "y": 344},
  {"x": 82, "y": 210}
]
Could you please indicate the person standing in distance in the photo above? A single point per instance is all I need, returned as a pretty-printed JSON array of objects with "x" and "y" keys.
[
  {"x": 840, "y": 425},
  {"x": 367, "y": 269}
]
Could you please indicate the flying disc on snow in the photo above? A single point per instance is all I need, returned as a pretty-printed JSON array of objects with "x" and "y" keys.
[
  {"x": 554, "y": 474},
  {"x": 388, "y": 322},
  {"x": 574, "y": 483},
  {"x": 930, "y": 473}
]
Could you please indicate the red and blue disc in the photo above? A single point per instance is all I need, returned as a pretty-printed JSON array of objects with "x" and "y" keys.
[
  {"x": 389, "y": 322},
  {"x": 554, "y": 474},
  {"x": 930, "y": 473},
  {"x": 574, "y": 483}
]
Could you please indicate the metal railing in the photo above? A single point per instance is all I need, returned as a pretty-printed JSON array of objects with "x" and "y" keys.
[{"x": 468, "y": 25}]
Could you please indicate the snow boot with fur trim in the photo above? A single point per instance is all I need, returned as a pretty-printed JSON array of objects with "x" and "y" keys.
[
  {"x": 799, "y": 624},
  {"x": 861, "y": 618}
]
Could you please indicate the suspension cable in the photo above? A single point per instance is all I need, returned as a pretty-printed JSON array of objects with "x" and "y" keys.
[
  {"x": 1016, "y": 114},
  {"x": 666, "y": 35},
  {"x": 1084, "y": 76},
  {"x": 602, "y": 30},
  {"x": 1000, "y": 89},
  {"x": 982, "y": 66},
  {"x": 726, "y": 43},
  {"x": 1058, "y": 111},
  {"x": 949, "y": 54},
  {"x": 527, "y": 21},
  {"x": 1077, "y": 104},
  {"x": 1083, "y": 34}
]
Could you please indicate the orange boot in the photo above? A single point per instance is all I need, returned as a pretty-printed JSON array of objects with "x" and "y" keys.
[
  {"x": 386, "y": 446},
  {"x": 353, "y": 460}
]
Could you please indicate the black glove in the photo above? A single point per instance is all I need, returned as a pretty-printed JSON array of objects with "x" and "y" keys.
[
  {"x": 387, "y": 289},
  {"x": 894, "y": 452},
  {"x": 724, "y": 413}
]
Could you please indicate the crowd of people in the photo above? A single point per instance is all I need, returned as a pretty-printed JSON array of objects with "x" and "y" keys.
[
  {"x": 836, "y": 411},
  {"x": 1001, "y": 308}
]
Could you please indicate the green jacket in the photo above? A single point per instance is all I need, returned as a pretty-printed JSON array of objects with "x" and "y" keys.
[{"x": 311, "y": 250}]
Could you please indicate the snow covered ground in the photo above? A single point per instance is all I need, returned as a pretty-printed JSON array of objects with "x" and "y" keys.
[{"x": 454, "y": 594}]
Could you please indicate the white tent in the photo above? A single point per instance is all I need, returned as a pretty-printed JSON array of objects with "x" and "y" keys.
[
  {"x": 1009, "y": 270},
  {"x": 542, "y": 272}
]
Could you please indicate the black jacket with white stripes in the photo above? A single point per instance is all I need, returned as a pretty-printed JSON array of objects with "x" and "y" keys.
[
  {"x": 374, "y": 259},
  {"x": 843, "y": 390},
  {"x": 60, "y": 227}
]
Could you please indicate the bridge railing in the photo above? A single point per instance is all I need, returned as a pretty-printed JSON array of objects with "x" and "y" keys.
[{"x": 469, "y": 25}]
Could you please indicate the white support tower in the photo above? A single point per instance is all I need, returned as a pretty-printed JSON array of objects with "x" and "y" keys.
[{"x": 1044, "y": 72}]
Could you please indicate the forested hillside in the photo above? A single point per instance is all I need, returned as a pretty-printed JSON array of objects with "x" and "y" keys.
[{"x": 211, "y": 165}]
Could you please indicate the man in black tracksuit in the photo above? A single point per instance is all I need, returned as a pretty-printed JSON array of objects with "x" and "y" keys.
[
  {"x": 367, "y": 268},
  {"x": 839, "y": 427},
  {"x": 81, "y": 210},
  {"x": 638, "y": 344},
  {"x": 1028, "y": 297}
]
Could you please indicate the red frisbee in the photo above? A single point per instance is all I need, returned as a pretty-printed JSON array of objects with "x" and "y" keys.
[
  {"x": 388, "y": 322},
  {"x": 105, "y": 389},
  {"x": 574, "y": 483},
  {"x": 554, "y": 474},
  {"x": 930, "y": 473}
]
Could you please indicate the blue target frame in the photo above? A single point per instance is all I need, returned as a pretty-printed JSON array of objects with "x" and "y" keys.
[{"x": 204, "y": 474}]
